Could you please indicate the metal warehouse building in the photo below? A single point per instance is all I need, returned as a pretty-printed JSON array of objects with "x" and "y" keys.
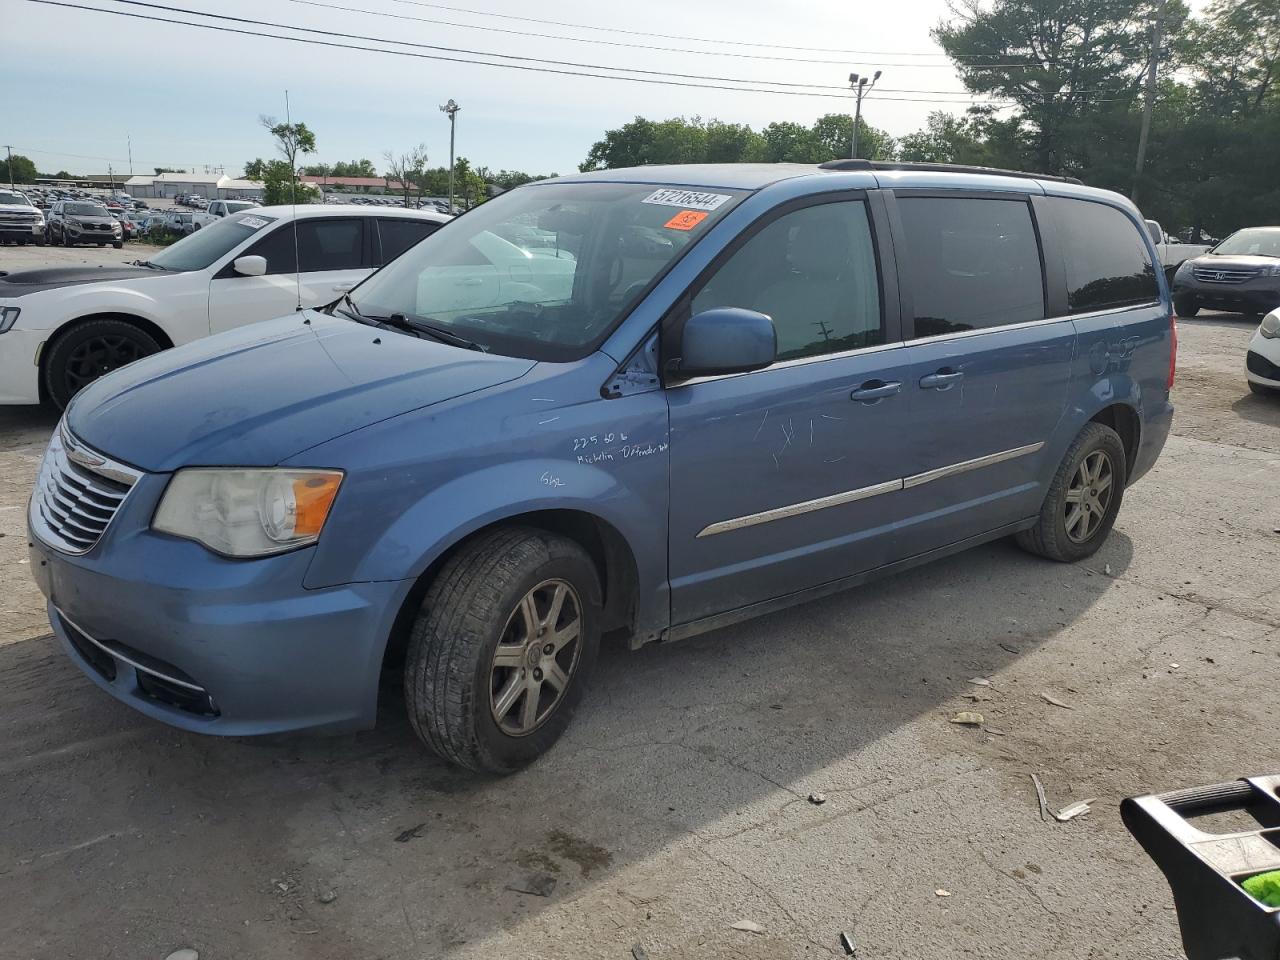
[{"x": 214, "y": 186}]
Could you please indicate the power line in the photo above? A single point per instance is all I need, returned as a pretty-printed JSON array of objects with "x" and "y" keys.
[
  {"x": 450, "y": 59},
  {"x": 643, "y": 46},
  {"x": 577, "y": 65}
]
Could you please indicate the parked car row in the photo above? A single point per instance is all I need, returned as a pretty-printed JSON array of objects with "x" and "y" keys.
[{"x": 438, "y": 204}]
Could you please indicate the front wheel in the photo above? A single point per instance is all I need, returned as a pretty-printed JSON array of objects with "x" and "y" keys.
[
  {"x": 502, "y": 648},
  {"x": 66, "y": 239},
  {"x": 1083, "y": 499},
  {"x": 117, "y": 244},
  {"x": 87, "y": 351},
  {"x": 1262, "y": 390},
  {"x": 1185, "y": 306}
]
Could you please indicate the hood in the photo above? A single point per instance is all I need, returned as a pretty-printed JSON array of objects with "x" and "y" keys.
[
  {"x": 263, "y": 393},
  {"x": 1229, "y": 261},
  {"x": 33, "y": 281}
]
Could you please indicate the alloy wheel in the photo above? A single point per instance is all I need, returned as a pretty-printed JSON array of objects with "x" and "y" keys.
[
  {"x": 1088, "y": 496},
  {"x": 98, "y": 356},
  {"x": 535, "y": 658}
]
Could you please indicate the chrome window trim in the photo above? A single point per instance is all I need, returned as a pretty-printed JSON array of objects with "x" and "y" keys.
[
  {"x": 795, "y": 362},
  {"x": 115, "y": 654},
  {"x": 795, "y": 509},
  {"x": 965, "y": 466},
  {"x": 960, "y": 334},
  {"x": 864, "y": 493}
]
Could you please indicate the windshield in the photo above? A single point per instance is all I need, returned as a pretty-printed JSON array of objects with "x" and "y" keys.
[
  {"x": 1251, "y": 242},
  {"x": 8, "y": 196},
  {"x": 545, "y": 271},
  {"x": 200, "y": 249},
  {"x": 85, "y": 210},
  {"x": 235, "y": 206}
]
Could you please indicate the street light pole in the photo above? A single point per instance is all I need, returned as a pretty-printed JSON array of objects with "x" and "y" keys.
[
  {"x": 861, "y": 87},
  {"x": 11, "y": 184},
  {"x": 451, "y": 109}
]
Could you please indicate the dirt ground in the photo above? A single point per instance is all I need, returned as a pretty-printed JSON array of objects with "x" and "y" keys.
[{"x": 678, "y": 803}]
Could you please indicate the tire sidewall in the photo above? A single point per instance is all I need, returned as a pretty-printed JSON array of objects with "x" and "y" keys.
[
  {"x": 1099, "y": 438},
  {"x": 65, "y": 344},
  {"x": 498, "y": 750}
]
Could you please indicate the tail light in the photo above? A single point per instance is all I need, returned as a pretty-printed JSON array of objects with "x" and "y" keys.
[{"x": 1173, "y": 349}]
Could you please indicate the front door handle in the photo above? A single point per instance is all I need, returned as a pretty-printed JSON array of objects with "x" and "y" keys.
[
  {"x": 470, "y": 282},
  {"x": 873, "y": 391},
  {"x": 343, "y": 287},
  {"x": 941, "y": 380}
]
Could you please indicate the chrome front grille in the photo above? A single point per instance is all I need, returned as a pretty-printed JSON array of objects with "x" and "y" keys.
[
  {"x": 77, "y": 494},
  {"x": 1237, "y": 275}
]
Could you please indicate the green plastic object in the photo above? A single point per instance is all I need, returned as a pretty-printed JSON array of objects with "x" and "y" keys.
[{"x": 1264, "y": 887}]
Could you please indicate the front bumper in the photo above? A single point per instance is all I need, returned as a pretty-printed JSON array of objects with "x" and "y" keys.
[
  {"x": 212, "y": 645},
  {"x": 1262, "y": 361},
  {"x": 1259, "y": 295},
  {"x": 19, "y": 375},
  {"x": 21, "y": 231}
]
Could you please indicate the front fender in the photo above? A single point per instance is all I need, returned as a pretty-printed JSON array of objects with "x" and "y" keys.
[{"x": 178, "y": 305}]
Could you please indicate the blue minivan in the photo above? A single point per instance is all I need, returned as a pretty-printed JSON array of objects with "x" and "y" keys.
[{"x": 645, "y": 403}]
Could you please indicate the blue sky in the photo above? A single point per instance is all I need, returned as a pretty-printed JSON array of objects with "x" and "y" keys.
[{"x": 81, "y": 83}]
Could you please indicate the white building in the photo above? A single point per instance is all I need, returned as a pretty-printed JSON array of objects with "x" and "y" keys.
[{"x": 214, "y": 186}]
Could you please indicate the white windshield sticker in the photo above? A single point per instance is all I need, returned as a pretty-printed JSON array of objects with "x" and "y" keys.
[
  {"x": 689, "y": 199},
  {"x": 254, "y": 222}
]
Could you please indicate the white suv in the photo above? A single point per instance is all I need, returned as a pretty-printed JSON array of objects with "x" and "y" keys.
[{"x": 62, "y": 327}]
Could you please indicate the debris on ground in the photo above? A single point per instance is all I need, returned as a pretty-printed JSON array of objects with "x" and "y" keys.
[
  {"x": 1054, "y": 701},
  {"x": 186, "y": 953},
  {"x": 1044, "y": 804},
  {"x": 941, "y": 893},
  {"x": 404, "y": 836},
  {"x": 968, "y": 718},
  {"x": 846, "y": 941},
  {"x": 1106, "y": 568},
  {"x": 536, "y": 884},
  {"x": 748, "y": 926},
  {"x": 327, "y": 896},
  {"x": 1010, "y": 648},
  {"x": 996, "y": 731},
  {"x": 1174, "y": 666},
  {"x": 981, "y": 682},
  {"x": 637, "y": 952},
  {"x": 1073, "y": 810},
  {"x": 817, "y": 799}
]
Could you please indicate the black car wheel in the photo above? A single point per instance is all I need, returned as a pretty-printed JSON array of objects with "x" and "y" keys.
[
  {"x": 501, "y": 649},
  {"x": 66, "y": 239},
  {"x": 88, "y": 350},
  {"x": 1083, "y": 499},
  {"x": 1185, "y": 306}
]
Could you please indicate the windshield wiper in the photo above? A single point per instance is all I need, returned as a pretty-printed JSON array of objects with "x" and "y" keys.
[{"x": 435, "y": 332}]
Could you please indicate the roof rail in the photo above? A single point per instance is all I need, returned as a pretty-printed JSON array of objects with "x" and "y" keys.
[{"x": 872, "y": 165}]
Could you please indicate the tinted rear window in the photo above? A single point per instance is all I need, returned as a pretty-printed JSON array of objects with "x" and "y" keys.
[
  {"x": 971, "y": 263},
  {"x": 1105, "y": 257},
  {"x": 399, "y": 235}
]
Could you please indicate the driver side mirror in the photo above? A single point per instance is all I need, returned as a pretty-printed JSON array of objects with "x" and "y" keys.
[
  {"x": 251, "y": 266},
  {"x": 726, "y": 340}
]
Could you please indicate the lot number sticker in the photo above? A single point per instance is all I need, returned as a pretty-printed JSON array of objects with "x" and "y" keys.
[
  {"x": 694, "y": 199},
  {"x": 685, "y": 220},
  {"x": 254, "y": 222}
]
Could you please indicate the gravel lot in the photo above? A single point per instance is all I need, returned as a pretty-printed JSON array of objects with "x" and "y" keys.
[{"x": 677, "y": 805}]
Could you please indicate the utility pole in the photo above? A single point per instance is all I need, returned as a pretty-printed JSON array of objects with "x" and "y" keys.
[
  {"x": 11, "y": 184},
  {"x": 129, "y": 141},
  {"x": 861, "y": 87},
  {"x": 451, "y": 109},
  {"x": 1149, "y": 104}
]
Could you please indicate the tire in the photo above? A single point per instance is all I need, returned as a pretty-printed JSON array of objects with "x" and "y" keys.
[
  {"x": 454, "y": 688},
  {"x": 70, "y": 364},
  {"x": 40, "y": 241},
  {"x": 1185, "y": 306},
  {"x": 1263, "y": 390},
  {"x": 66, "y": 239},
  {"x": 118, "y": 244},
  {"x": 1052, "y": 537}
]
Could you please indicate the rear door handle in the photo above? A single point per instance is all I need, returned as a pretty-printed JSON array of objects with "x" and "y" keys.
[
  {"x": 941, "y": 380},
  {"x": 873, "y": 391}
]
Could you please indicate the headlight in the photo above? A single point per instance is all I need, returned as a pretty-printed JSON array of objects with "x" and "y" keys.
[
  {"x": 8, "y": 317},
  {"x": 1271, "y": 270},
  {"x": 248, "y": 513},
  {"x": 1269, "y": 328}
]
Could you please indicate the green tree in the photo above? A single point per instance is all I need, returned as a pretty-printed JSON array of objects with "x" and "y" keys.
[
  {"x": 408, "y": 169},
  {"x": 291, "y": 139},
  {"x": 833, "y": 134},
  {"x": 354, "y": 168},
  {"x": 946, "y": 138},
  {"x": 256, "y": 169},
  {"x": 22, "y": 171},
  {"x": 280, "y": 186}
]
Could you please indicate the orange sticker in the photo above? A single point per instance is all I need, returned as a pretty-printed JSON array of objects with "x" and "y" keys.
[{"x": 686, "y": 220}]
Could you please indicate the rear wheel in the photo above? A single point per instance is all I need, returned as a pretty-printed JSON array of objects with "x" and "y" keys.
[
  {"x": 1083, "y": 499},
  {"x": 1186, "y": 306},
  {"x": 87, "y": 351},
  {"x": 502, "y": 648}
]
